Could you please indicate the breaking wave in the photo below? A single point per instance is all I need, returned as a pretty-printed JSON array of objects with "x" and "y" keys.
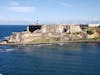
[
  {"x": 61, "y": 44},
  {"x": 38, "y": 45},
  {"x": 7, "y": 50}
]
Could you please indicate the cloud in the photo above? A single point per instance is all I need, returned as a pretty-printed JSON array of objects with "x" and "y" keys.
[
  {"x": 64, "y": 4},
  {"x": 61, "y": 3},
  {"x": 15, "y": 6},
  {"x": 22, "y": 9},
  {"x": 14, "y": 3}
]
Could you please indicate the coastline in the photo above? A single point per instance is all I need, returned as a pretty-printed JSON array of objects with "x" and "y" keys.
[
  {"x": 52, "y": 34},
  {"x": 59, "y": 43}
]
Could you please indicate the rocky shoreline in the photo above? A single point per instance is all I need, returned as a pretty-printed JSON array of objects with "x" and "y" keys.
[
  {"x": 53, "y": 34},
  {"x": 59, "y": 43}
]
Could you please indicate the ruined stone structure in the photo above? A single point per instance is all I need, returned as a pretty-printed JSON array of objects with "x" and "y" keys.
[
  {"x": 52, "y": 33},
  {"x": 74, "y": 29},
  {"x": 46, "y": 33},
  {"x": 52, "y": 29},
  {"x": 94, "y": 35},
  {"x": 55, "y": 28}
]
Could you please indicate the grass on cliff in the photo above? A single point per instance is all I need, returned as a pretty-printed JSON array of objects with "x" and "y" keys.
[
  {"x": 90, "y": 32},
  {"x": 97, "y": 39},
  {"x": 45, "y": 41}
]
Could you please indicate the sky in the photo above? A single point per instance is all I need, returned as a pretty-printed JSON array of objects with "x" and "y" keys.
[{"x": 49, "y": 11}]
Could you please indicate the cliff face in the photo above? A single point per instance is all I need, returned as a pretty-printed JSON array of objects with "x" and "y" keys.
[
  {"x": 52, "y": 29},
  {"x": 95, "y": 34},
  {"x": 74, "y": 29},
  {"x": 56, "y": 28},
  {"x": 46, "y": 33},
  {"x": 15, "y": 37}
]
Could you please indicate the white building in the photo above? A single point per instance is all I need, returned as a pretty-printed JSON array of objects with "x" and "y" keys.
[{"x": 93, "y": 25}]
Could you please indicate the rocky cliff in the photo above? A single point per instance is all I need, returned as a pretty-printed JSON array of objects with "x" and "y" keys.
[{"x": 46, "y": 33}]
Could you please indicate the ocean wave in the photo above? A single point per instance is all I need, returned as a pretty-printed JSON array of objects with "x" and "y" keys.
[
  {"x": 39, "y": 45},
  {"x": 7, "y": 50}
]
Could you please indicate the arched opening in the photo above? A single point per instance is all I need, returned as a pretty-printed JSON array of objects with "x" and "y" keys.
[{"x": 65, "y": 30}]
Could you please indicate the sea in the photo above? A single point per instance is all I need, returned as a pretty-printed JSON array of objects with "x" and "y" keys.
[{"x": 48, "y": 59}]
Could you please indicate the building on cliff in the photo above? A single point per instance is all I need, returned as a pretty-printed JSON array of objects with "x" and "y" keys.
[
  {"x": 55, "y": 28},
  {"x": 38, "y": 33},
  {"x": 46, "y": 28},
  {"x": 74, "y": 29},
  {"x": 93, "y": 25}
]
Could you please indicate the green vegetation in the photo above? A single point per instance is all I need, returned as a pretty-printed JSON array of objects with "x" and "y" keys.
[
  {"x": 90, "y": 32},
  {"x": 78, "y": 32},
  {"x": 96, "y": 38},
  {"x": 75, "y": 33},
  {"x": 40, "y": 41},
  {"x": 43, "y": 41},
  {"x": 91, "y": 39}
]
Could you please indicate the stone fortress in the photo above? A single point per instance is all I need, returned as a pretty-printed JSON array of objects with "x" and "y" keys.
[{"x": 37, "y": 33}]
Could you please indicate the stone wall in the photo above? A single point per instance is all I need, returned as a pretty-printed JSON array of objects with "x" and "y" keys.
[
  {"x": 15, "y": 37},
  {"x": 74, "y": 29},
  {"x": 52, "y": 28},
  {"x": 59, "y": 28},
  {"x": 47, "y": 32}
]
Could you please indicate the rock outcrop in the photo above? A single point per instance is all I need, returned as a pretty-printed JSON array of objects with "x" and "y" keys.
[
  {"x": 94, "y": 35},
  {"x": 52, "y": 34},
  {"x": 74, "y": 29},
  {"x": 46, "y": 33}
]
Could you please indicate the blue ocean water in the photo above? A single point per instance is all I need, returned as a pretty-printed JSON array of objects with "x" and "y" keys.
[
  {"x": 6, "y": 30},
  {"x": 67, "y": 59}
]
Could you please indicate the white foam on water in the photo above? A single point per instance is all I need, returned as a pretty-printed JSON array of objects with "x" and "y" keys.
[
  {"x": 7, "y": 50},
  {"x": 0, "y": 73},
  {"x": 39, "y": 45},
  {"x": 61, "y": 44}
]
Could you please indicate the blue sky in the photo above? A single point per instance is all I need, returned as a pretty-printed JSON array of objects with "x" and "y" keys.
[{"x": 49, "y": 11}]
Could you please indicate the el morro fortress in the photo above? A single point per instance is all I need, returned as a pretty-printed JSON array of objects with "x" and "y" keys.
[{"x": 37, "y": 33}]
